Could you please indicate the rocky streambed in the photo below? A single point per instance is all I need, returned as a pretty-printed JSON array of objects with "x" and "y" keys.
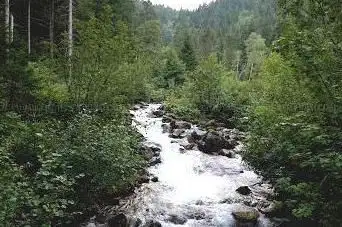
[{"x": 196, "y": 177}]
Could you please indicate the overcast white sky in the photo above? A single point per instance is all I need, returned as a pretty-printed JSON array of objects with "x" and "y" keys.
[{"x": 185, "y": 4}]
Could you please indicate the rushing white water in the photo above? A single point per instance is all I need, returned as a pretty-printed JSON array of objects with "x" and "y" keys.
[{"x": 198, "y": 187}]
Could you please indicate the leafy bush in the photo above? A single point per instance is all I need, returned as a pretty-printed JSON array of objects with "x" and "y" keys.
[
  {"x": 53, "y": 172},
  {"x": 181, "y": 104},
  {"x": 209, "y": 92},
  {"x": 291, "y": 144}
]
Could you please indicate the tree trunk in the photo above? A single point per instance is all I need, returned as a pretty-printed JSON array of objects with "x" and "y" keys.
[
  {"x": 237, "y": 71},
  {"x": 7, "y": 15},
  {"x": 251, "y": 72},
  {"x": 29, "y": 27},
  {"x": 70, "y": 40},
  {"x": 12, "y": 29},
  {"x": 52, "y": 26},
  {"x": 97, "y": 10}
]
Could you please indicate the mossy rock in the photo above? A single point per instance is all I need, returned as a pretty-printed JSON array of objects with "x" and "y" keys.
[{"x": 248, "y": 215}]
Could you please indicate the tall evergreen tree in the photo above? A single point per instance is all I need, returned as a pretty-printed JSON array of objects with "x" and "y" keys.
[{"x": 188, "y": 55}]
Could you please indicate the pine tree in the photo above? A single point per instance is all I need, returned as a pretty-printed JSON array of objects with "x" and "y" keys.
[{"x": 188, "y": 55}]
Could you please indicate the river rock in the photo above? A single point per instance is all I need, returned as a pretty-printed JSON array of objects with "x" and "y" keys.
[
  {"x": 244, "y": 190},
  {"x": 178, "y": 134},
  {"x": 146, "y": 152},
  {"x": 233, "y": 143},
  {"x": 154, "y": 179},
  {"x": 199, "y": 203},
  {"x": 196, "y": 135},
  {"x": 143, "y": 179},
  {"x": 143, "y": 104},
  {"x": 180, "y": 125},
  {"x": 155, "y": 161},
  {"x": 213, "y": 143},
  {"x": 196, "y": 215},
  {"x": 150, "y": 150},
  {"x": 167, "y": 118},
  {"x": 119, "y": 220},
  {"x": 166, "y": 128},
  {"x": 226, "y": 153},
  {"x": 161, "y": 107},
  {"x": 187, "y": 145},
  {"x": 246, "y": 217},
  {"x": 158, "y": 113},
  {"x": 176, "y": 219},
  {"x": 137, "y": 107},
  {"x": 152, "y": 223}
]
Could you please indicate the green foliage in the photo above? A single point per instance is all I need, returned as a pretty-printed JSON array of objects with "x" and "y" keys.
[
  {"x": 292, "y": 145},
  {"x": 205, "y": 82},
  {"x": 256, "y": 53},
  {"x": 106, "y": 68},
  {"x": 149, "y": 37},
  {"x": 209, "y": 91},
  {"x": 171, "y": 71},
  {"x": 16, "y": 82},
  {"x": 55, "y": 171},
  {"x": 296, "y": 124},
  {"x": 188, "y": 55},
  {"x": 49, "y": 86},
  {"x": 180, "y": 103},
  {"x": 56, "y": 166}
]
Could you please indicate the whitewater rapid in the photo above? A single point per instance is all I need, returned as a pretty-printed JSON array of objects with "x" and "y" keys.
[{"x": 192, "y": 185}]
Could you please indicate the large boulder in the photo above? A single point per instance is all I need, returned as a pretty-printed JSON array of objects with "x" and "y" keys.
[
  {"x": 152, "y": 223},
  {"x": 119, "y": 220},
  {"x": 226, "y": 153},
  {"x": 143, "y": 179},
  {"x": 178, "y": 134},
  {"x": 196, "y": 135},
  {"x": 180, "y": 125},
  {"x": 176, "y": 219},
  {"x": 154, "y": 179},
  {"x": 155, "y": 161},
  {"x": 246, "y": 217},
  {"x": 158, "y": 113},
  {"x": 166, "y": 128},
  {"x": 213, "y": 142},
  {"x": 244, "y": 190},
  {"x": 161, "y": 107},
  {"x": 150, "y": 150},
  {"x": 187, "y": 145}
]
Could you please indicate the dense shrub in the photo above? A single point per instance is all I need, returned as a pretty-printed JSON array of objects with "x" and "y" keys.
[
  {"x": 53, "y": 172},
  {"x": 291, "y": 144},
  {"x": 210, "y": 91}
]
